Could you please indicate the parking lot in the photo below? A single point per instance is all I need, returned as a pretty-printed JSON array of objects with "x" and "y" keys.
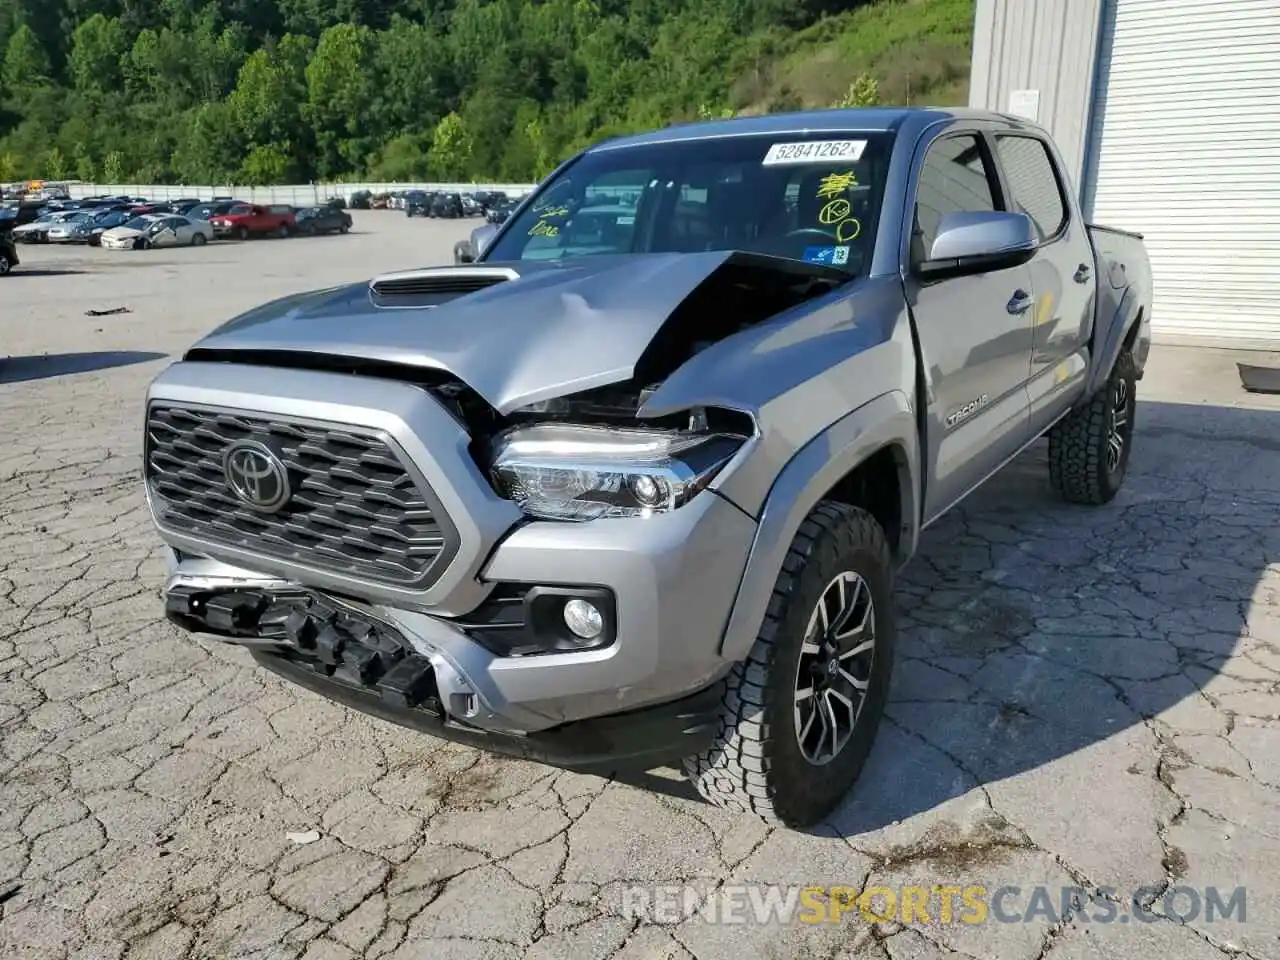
[{"x": 1084, "y": 699}]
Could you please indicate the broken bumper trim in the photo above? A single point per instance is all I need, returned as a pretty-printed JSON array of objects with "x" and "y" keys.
[
  {"x": 637, "y": 740},
  {"x": 347, "y": 655}
]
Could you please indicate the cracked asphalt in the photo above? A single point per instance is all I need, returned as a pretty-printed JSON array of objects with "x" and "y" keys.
[{"x": 1083, "y": 698}]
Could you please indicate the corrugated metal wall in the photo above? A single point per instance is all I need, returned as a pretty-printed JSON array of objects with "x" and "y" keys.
[{"x": 1048, "y": 46}]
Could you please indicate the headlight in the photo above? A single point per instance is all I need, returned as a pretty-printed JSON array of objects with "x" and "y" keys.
[{"x": 567, "y": 472}]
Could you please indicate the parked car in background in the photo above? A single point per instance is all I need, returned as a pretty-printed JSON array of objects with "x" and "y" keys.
[
  {"x": 447, "y": 205},
  {"x": 104, "y": 221},
  {"x": 470, "y": 205},
  {"x": 245, "y": 220},
  {"x": 499, "y": 211},
  {"x": 324, "y": 219},
  {"x": 209, "y": 209},
  {"x": 8, "y": 252},
  {"x": 37, "y": 231},
  {"x": 158, "y": 230},
  {"x": 361, "y": 200},
  {"x": 417, "y": 203},
  {"x": 74, "y": 229}
]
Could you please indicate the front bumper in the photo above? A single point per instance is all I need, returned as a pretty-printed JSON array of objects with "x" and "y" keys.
[
  {"x": 672, "y": 579},
  {"x": 346, "y": 655}
]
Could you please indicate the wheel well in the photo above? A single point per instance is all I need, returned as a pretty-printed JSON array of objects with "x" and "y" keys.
[
  {"x": 875, "y": 485},
  {"x": 1132, "y": 335}
]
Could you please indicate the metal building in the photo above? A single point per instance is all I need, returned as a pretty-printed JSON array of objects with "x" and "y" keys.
[{"x": 1168, "y": 113}]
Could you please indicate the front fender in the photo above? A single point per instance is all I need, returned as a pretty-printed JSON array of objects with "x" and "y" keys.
[{"x": 886, "y": 421}]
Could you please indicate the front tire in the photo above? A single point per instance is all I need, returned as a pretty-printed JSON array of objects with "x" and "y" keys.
[
  {"x": 242, "y": 233},
  {"x": 5, "y": 265},
  {"x": 1089, "y": 449},
  {"x": 800, "y": 714}
]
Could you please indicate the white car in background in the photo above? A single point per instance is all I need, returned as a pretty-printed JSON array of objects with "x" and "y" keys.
[
  {"x": 158, "y": 230},
  {"x": 74, "y": 229},
  {"x": 37, "y": 231}
]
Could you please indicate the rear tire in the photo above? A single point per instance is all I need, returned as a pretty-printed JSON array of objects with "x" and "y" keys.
[
  {"x": 282, "y": 231},
  {"x": 788, "y": 755},
  {"x": 5, "y": 265},
  {"x": 199, "y": 240},
  {"x": 1089, "y": 449}
]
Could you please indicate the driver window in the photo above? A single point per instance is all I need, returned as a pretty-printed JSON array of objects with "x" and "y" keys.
[{"x": 957, "y": 176}]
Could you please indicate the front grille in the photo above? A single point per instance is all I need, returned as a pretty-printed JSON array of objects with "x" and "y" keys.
[{"x": 355, "y": 511}]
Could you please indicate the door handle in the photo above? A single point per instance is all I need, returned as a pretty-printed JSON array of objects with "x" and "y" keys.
[
  {"x": 1083, "y": 273},
  {"x": 1020, "y": 303}
]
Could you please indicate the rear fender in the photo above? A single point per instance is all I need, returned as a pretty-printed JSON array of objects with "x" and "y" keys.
[
  {"x": 885, "y": 421},
  {"x": 1109, "y": 337}
]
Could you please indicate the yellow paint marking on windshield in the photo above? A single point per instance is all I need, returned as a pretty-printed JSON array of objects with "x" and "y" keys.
[
  {"x": 837, "y": 212},
  {"x": 834, "y": 184},
  {"x": 544, "y": 229}
]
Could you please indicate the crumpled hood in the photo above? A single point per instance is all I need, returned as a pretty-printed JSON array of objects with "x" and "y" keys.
[{"x": 559, "y": 328}]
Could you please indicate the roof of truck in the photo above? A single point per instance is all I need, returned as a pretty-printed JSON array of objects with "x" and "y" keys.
[{"x": 837, "y": 120}]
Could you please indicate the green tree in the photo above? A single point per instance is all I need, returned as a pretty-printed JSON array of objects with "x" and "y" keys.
[
  {"x": 8, "y": 167},
  {"x": 340, "y": 95},
  {"x": 55, "y": 164},
  {"x": 97, "y": 47},
  {"x": 113, "y": 167},
  {"x": 450, "y": 154},
  {"x": 86, "y": 170},
  {"x": 863, "y": 92},
  {"x": 26, "y": 64},
  {"x": 266, "y": 164}
]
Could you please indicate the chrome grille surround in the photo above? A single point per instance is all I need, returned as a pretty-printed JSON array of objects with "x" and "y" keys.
[{"x": 359, "y": 510}]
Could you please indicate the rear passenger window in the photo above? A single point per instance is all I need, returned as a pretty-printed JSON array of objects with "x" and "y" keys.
[
  {"x": 1035, "y": 189},
  {"x": 956, "y": 177}
]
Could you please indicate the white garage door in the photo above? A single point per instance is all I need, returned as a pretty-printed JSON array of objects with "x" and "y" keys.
[{"x": 1186, "y": 150}]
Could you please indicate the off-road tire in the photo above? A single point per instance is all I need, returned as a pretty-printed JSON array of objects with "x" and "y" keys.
[
  {"x": 1078, "y": 469},
  {"x": 756, "y": 764}
]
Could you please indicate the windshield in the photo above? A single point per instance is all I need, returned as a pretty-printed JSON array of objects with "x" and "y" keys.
[
  {"x": 814, "y": 198},
  {"x": 139, "y": 223},
  {"x": 238, "y": 209}
]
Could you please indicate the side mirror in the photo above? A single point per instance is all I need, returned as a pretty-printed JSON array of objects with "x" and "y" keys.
[
  {"x": 481, "y": 237},
  {"x": 462, "y": 252},
  {"x": 977, "y": 242}
]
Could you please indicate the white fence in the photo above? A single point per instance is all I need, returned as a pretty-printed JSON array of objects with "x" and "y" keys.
[{"x": 298, "y": 195}]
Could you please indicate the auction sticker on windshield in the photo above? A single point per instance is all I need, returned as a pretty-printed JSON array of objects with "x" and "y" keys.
[{"x": 814, "y": 151}]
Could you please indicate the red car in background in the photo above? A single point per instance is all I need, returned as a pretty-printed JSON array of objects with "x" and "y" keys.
[{"x": 246, "y": 220}]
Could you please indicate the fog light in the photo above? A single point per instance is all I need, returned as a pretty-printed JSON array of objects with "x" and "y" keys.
[{"x": 583, "y": 618}]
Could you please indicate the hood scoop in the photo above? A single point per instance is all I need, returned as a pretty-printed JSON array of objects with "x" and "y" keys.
[{"x": 432, "y": 286}]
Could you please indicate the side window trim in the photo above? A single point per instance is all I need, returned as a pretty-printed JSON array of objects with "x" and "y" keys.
[
  {"x": 1009, "y": 133},
  {"x": 995, "y": 181}
]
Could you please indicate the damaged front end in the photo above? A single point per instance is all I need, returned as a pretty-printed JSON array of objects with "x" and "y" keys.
[{"x": 379, "y": 490}]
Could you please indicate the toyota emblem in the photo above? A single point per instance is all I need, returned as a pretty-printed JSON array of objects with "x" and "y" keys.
[{"x": 256, "y": 476}]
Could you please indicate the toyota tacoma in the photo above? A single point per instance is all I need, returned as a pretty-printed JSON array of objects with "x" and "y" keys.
[{"x": 632, "y": 488}]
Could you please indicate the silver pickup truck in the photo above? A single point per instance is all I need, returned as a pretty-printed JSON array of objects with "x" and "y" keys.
[{"x": 632, "y": 488}]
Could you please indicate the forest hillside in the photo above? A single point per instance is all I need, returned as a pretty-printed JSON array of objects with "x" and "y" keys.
[{"x": 271, "y": 91}]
